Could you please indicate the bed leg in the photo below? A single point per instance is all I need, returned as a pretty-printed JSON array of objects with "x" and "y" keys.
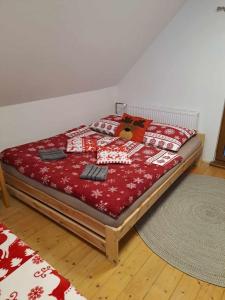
[
  {"x": 3, "y": 189},
  {"x": 112, "y": 245},
  {"x": 198, "y": 161}
]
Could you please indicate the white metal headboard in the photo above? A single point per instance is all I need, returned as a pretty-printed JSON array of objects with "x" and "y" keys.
[{"x": 184, "y": 118}]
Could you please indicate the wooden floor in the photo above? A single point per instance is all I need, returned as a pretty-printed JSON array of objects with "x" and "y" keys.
[{"x": 140, "y": 274}]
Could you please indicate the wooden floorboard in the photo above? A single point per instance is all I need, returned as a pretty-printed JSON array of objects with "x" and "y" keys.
[{"x": 140, "y": 274}]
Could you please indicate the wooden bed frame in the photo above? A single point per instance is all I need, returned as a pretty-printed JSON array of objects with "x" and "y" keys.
[{"x": 104, "y": 237}]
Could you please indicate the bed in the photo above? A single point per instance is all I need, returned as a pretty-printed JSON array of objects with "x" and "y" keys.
[
  {"x": 93, "y": 225},
  {"x": 25, "y": 275}
]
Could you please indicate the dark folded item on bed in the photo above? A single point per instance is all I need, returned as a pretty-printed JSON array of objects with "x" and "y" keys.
[
  {"x": 52, "y": 154},
  {"x": 93, "y": 172}
]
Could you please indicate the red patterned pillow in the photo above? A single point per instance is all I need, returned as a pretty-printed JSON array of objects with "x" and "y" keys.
[
  {"x": 107, "y": 125},
  {"x": 132, "y": 128},
  {"x": 81, "y": 131},
  {"x": 113, "y": 155},
  {"x": 83, "y": 144},
  {"x": 167, "y": 136}
]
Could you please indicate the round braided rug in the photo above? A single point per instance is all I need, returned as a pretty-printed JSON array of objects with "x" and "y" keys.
[{"x": 187, "y": 227}]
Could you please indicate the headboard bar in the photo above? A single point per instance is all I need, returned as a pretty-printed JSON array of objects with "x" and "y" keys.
[{"x": 184, "y": 118}]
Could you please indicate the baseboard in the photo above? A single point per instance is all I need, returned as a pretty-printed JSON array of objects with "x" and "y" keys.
[{"x": 217, "y": 163}]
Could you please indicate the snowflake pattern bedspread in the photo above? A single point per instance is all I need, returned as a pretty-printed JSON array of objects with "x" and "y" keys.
[
  {"x": 24, "y": 275},
  {"x": 124, "y": 184}
]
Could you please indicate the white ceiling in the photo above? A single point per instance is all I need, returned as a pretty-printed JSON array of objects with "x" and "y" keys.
[{"x": 51, "y": 48}]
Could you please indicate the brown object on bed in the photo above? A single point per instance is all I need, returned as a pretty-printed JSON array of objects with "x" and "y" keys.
[{"x": 96, "y": 232}]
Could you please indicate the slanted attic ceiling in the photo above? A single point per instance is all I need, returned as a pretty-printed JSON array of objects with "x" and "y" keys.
[{"x": 51, "y": 48}]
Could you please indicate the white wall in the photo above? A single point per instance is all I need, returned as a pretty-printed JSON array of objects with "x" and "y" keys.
[
  {"x": 185, "y": 68},
  {"x": 25, "y": 122},
  {"x": 51, "y": 48}
]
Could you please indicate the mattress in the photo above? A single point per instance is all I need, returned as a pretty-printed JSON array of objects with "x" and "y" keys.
[{"x": 74, "y": 202}]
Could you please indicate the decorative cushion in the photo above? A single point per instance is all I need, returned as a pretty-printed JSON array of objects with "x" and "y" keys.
[
  {"x": 81, "y": 131},
  {"x": 132, "y": 128},
  {"x": 160, "y": 135},
  {"x": 113, "y": 155},
  {"x": 167, "y": 136},
  {"x": 107, "y": 124},
  {"x": 162, "y": 158},
  {"x": 83, "y": 144}
]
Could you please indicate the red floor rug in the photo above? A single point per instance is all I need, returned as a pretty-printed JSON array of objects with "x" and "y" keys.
[{"x": 24, "y": 275}]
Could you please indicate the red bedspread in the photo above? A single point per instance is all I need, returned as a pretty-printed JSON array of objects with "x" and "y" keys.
[
  {"x": 24, "y": 275},
  {"x": 124, "y": 184}
]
